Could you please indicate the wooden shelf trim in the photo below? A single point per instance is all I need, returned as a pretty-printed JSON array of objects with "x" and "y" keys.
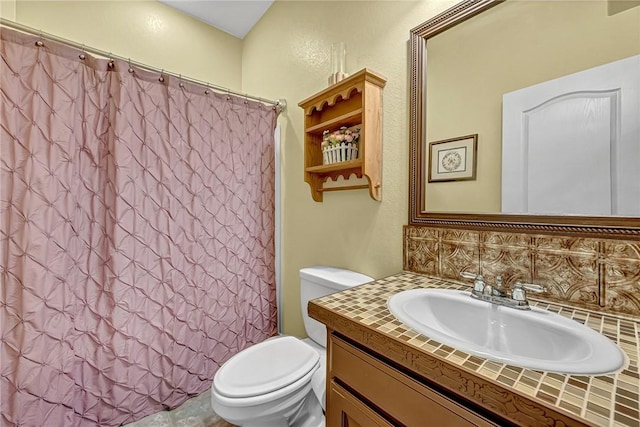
[
  {"x": 338, "y": 95},
  {"x": 321, "y": 127},
  {"x": 344, "y": 89},
  {"x": 345, "y": 187},
  {"x": 351, "y": 164}
]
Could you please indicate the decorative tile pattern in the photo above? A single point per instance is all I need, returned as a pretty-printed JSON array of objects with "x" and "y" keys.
[
  {"x": 464, "y": 237},
  {"x": 568, "y": 268},
  {"x": 506, "y": 239},
  {"x": 505, "y": 255},
  {"x": 563, "y": 244},
  {"x": 459, "y": 251},
  {"x": 621, "y": 276},
  {"x": 421, "y": 251},
  {"x": 456, "y": 257},
  {"x": 597, "y": 274},
  {"x": 606, "y": 400}
]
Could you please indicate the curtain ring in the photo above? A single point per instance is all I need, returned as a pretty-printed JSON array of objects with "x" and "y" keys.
[
  {"x": 161, "y": 78},
  {"x": 181, "y": 85},
  {"x": 207, "y": 91},
  {"x": 228, "y": 94},
  {"x": 82, "y": 55},
  {"x": 131, "y": 70},
  {"x": 246, "y": 101},
  {"x": 111, "y": 64},
  {"x": 39, "y": 42}
]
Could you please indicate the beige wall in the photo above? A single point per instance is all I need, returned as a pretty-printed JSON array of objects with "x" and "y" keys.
[
  {"x": 530, "y": 42},
  {"x": 146, "y": 31},
  {"x": 8, "y": 9},
  {"x": 287, "y": 55}
]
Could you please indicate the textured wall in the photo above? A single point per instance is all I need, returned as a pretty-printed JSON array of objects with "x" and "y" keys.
[
  {"x": 8, "y": 9},
  {"x": 145, "y": 31},
  {"x": 287, "y": 55}
]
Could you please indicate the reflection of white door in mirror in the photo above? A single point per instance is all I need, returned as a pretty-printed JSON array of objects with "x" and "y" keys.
[{"x": 580, "y": 134}]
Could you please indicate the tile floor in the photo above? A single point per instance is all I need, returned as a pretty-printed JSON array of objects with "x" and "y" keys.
[{"x": 195, "y": 412}]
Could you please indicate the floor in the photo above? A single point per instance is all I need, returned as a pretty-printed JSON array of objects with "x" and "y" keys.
[{"x": 195, "y": 412}]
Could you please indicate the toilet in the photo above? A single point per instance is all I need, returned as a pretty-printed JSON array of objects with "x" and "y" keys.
[{"x": 280, "y": 382}]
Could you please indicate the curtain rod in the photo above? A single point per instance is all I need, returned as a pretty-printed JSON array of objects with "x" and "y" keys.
[{"x": 279, "y": 104}]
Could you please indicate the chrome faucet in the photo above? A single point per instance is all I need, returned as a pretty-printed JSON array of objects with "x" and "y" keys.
[
  {"x": 495, "y": 290},
  {"x": 497, "y": 295}
]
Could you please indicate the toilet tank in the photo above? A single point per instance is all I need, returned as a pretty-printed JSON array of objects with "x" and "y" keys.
[{"x": 319, "y": 281}]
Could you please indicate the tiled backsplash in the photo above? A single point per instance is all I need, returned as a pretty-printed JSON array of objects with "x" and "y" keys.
[{"x": 597, "y": 274}]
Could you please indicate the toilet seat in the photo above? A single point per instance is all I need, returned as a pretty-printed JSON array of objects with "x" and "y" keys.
[{"x": 265, "y": 368}]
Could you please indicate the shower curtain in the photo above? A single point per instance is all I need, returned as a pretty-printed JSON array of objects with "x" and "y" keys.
[{"x": 137, "y": 235}]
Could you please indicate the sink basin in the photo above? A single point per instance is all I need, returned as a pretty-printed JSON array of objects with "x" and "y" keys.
[{"x": 534, "y": 339}]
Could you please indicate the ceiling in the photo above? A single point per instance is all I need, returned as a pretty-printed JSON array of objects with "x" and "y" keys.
[{"x": 235, "y": 17}]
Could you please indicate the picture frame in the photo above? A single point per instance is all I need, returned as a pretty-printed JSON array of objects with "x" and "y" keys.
[{"x": 453, "y": 159}]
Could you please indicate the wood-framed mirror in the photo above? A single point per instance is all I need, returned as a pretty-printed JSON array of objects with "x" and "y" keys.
[{"x": 606, "y": 226}]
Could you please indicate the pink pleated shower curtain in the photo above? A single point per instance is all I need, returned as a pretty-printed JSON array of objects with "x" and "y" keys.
[{"x": 137, "y": 227}]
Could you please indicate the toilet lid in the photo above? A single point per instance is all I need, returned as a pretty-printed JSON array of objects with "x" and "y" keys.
[{"x": 265, "y": 367}]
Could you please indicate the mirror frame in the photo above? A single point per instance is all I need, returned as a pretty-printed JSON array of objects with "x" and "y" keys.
[{"x": 572, "y": 225}]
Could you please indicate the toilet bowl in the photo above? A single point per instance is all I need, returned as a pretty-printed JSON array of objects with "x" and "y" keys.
[
  {"x": 268, "y": 384},
  {"x": 280, "y": 382}
]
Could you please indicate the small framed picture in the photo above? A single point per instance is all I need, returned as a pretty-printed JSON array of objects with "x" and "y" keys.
[{"x": 453, "y": 159}]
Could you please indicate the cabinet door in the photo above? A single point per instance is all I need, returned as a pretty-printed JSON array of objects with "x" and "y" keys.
[
  {"x": 345, "y": 410},
  {"x": 402, "y": 398}
]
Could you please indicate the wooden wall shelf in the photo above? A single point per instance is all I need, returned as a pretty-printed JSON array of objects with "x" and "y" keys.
[{"x": 356, "y": 100}]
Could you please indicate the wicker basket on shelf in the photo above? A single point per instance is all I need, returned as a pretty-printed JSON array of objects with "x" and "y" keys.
[{"x": 340, "y": 145}]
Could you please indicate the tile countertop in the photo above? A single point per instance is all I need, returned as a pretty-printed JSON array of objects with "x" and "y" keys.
[{"x": 604, "y": 400}]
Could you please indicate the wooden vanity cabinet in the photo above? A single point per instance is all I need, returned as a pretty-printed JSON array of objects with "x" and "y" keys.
[
  {"x": 363, "y": 390},
  {"x": 348, "y": 410}
]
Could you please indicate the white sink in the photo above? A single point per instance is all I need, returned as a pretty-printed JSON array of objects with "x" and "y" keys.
[{"x": 535, "y": 339}]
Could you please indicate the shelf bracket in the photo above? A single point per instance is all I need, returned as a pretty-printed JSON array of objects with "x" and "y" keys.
[{"x": 345, "y": 187}]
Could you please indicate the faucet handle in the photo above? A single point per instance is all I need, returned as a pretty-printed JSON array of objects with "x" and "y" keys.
[
  {"x": 469, "y": 275},
  {"x": 518, "y": 292},
  {"x": 478, "y": 280},
  {"x": 532, "y": 287}
]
